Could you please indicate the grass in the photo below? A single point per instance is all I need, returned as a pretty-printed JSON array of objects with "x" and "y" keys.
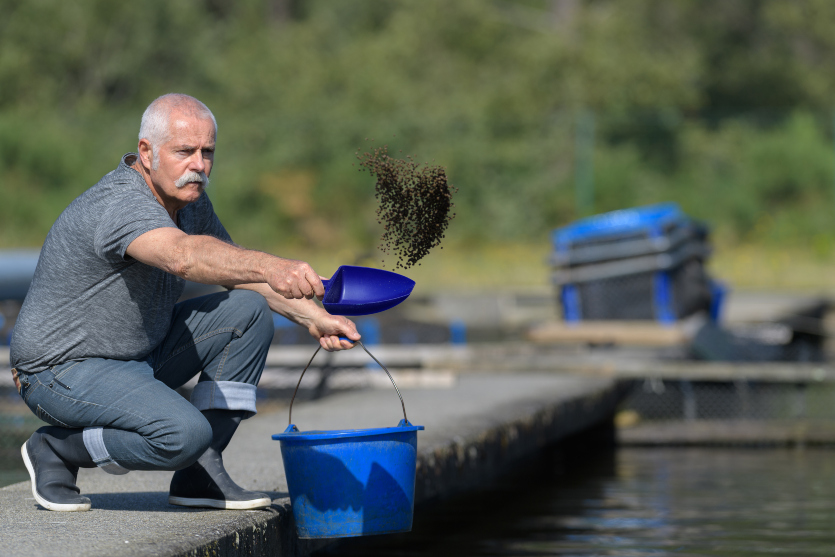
[
  {"x": 460, "y": 267},
  {"x": 524, "y": 267},
  {"x": 793, "y": 269}
]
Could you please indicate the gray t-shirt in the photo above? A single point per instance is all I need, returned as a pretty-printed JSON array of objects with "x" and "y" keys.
[{"x": 88, "y": 298}]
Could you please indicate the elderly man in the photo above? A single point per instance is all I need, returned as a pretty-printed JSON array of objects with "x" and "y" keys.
[{"x": 101, "y": 342}]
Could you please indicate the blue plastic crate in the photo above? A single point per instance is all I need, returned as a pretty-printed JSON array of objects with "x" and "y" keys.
[{"x": 647, "y": 261}]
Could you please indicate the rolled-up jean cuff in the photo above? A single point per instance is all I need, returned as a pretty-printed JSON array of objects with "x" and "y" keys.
[
  {"x": 94, "y": 443},
  {"x": 224, "y": 395}
]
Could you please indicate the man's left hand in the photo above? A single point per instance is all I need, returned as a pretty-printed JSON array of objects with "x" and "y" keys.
[{"x": 329, "y": 328}]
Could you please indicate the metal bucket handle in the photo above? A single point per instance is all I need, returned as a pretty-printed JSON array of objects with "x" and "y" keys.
[{"x": 405, "y": 419}]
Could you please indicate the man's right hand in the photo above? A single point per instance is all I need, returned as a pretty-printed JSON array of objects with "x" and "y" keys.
[{"x": 294, "y": 279}]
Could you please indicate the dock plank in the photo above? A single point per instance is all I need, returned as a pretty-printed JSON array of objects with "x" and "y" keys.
[{"x": 640, "y": 333}]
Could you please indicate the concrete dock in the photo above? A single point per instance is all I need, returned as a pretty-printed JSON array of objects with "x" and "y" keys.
[{"x": 476, "y": 427}]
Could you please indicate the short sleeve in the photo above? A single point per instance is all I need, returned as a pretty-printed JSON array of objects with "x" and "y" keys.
[{"x": 125, "y": 219}]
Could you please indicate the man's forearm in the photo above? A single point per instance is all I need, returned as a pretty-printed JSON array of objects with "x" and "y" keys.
[
  {"x": 207, "y": 260},
  {"x": 330, "y": 330},
  {"x": 301, "y": 311}
]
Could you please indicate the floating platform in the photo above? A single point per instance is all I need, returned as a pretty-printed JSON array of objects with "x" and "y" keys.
[{"x": 737, "y": 433}]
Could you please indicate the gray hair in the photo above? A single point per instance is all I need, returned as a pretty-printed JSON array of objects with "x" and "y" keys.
[{"x": 156, "y": 119}]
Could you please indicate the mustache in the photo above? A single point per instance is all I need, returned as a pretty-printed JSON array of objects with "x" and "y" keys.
[{"x": 198, "y": 177}]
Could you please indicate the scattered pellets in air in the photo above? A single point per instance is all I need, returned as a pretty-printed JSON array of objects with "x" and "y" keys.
[{"x": 415, "y": 203}]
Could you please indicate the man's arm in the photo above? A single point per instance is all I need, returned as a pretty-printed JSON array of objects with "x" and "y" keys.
[
  {"x": 287, "y": 285},
  {"x": 208, "y": 260},
  {"x": 323, "y": 326}
]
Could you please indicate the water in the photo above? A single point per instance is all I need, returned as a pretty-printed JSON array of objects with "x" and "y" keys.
[
  {"x": 8, "y": 477},
  {"x": 16, "y": 425},
  {"x": 635, "y": 502}
]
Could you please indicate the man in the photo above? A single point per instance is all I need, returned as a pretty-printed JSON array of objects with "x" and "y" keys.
[{"x": 100, "y": 343}]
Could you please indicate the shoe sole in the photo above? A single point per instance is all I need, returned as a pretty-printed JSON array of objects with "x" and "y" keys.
[
  {"x": 62, "y": 507},
  {"x": 261, "y": 503}
]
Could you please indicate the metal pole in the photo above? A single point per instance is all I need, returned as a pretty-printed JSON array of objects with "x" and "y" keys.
[
  {"x": 690, "y": 409},
  {"x": 744, "y": 391},
  {"x": 584, "y": 163}
]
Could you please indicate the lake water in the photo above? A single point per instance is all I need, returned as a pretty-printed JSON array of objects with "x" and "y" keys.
[
  {"x": 635, "y": 502},
  {"x": 16, "y": 425}
]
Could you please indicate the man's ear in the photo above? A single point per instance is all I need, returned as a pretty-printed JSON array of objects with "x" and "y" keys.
[{"x": 146, "y": 153}]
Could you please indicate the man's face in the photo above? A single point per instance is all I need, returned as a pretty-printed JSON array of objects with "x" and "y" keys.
[{"x": 184, "y": 161}]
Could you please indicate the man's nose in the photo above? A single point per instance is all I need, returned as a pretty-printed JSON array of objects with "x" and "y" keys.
[{"x": 196, "y": 162}]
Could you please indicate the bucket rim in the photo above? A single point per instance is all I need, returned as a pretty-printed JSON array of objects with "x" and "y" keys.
[{"x": 316, "y": 435}]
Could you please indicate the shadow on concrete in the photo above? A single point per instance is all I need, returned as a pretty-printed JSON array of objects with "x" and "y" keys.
[{"x": 156, "y": 501}]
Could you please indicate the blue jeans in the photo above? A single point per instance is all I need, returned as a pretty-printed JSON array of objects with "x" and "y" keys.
[{"x": 133, "y": 419}]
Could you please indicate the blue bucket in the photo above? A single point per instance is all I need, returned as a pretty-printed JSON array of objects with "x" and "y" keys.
[
  {"x": 347, "y": 483},
  {"x": 351, "y": 482}
]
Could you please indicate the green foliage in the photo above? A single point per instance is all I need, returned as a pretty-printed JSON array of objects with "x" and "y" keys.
[
  {"x": 488, "y": 89},
  {"x": 773, "y": 185}
]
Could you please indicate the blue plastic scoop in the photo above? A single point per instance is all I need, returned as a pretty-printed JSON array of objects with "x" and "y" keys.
[{"x": 364, "y": 290}]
